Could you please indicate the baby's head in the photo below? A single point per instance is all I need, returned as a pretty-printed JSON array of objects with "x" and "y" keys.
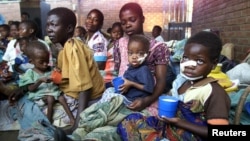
[
  {"x": 38, "y": 55},
  {"x": 80, "y": 31},
  {"x": 116, "y": 31},
  {"x": 138, "y": 48},
  {"x": 4, "y": 31},
  {"x": 201, "y": 55},
  {"x": 23, "y": 43}
]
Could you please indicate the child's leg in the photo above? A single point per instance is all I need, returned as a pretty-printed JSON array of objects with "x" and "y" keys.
[
  {"x": 62, "y": 101},
  {"x": 50, "y": 102}
]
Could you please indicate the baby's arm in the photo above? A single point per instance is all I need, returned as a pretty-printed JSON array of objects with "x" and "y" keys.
[
  {"x": 32, "y": 87},
  {"x": 127, "y": 84}
]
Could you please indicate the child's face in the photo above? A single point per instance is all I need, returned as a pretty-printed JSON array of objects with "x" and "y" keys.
[
  {"x": 93, "y": 22},
  {"x": 198, "y": 56},
  {"x": 155, "y": 32},
  {"x": 56, "y": 31},
  {"x": 131, "y": 22},
  {"x": 3, "y": 33},
  {"x": 14, "y": 31},
  {"x": 40, "y": 59},
  {"x": 24, "y": 30},
  {"x": 136, "y": 53},
  {"x": 78, "y": 33},
  {"x": 116, "y": 33}
]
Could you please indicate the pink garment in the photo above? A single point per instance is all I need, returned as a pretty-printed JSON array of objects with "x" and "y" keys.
[{"x": 123, "y": 48}]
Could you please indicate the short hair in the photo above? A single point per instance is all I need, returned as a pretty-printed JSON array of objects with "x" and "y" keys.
[
  {"x": 208, "y": 40},
  {"x": 117, "y": 24},
  {"x": 140, "y": 38},
  {"x": 158, "y": 28},
  {"x": 67, "y": 16},
  {"x": 35, "y": 45},
  {"x": 16, "y": 23},
  {"x": 100, "y": 15},
  {"x": 31, "y": 24},
  {"x": 26, "y": 14},
  {"x": 133, "y": 6},
  {"x": 5, "y": 27},
  {"x": 82, "y": 29}
]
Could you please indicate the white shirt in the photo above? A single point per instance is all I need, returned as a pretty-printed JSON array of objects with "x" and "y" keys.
[{"x": 159, "y": 38}]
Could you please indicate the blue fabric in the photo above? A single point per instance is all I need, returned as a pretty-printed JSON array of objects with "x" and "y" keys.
[
  {"x": 27, "y": 113},
  {"x": 141, "y": 75},
  {"x": 1, "y": 55}
]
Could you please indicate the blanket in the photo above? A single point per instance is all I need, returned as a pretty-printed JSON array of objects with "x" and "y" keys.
[{"x": 101, "y": 118}]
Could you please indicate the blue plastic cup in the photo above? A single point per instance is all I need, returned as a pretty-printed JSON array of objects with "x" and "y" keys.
[
  {"x": 117, "y": 82},
  {"x": 167, "y": 106}
]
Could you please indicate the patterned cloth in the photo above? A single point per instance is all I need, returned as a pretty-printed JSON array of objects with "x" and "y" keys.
[
  {"x": 109, "y": 73},
  {"x": 136, "y": 127},
  {"x": 100, "y": 116}
]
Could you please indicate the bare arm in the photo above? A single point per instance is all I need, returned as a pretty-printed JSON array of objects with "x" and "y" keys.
[
  {"x": 195, "y": 129},
  {"x": 83, "y": 100},
  {"x": 34, "y": 86}
]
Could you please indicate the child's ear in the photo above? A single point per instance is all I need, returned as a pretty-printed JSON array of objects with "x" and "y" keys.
[
  {"x": 31, "y": 31},
  {"x": 71, "y": 29},
  {"x": 30, "y": 61}
]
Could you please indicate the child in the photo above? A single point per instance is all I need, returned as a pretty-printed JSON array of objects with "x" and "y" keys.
[
  {"x": 95, "y": 39},
  {"x": 22, "y": 62},
  {"x": 116, "y": 33},
  {"x": 156, "y": 33},
  {"x": 14, "y": 29},
  {"x": 4, "y": 39},
  {"x": 40, "y": 88},
  {"x": 109, "y": 72},
  {"x": 141, "y": 81},
  {"x": 27, "y": 29},
  {"x": 203, "y": 101},
  {"x": 80, "y": 33}
]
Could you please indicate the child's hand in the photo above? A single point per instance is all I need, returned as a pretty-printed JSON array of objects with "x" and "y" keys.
[
  {"x": 45, "y": 79},
  {"x": 169, "y": 120},
  {"x": 57, "y": 69},
  {"x": 125, "y": 86}
]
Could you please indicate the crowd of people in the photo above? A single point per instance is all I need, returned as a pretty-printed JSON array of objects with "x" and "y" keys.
[{"x": 87, "y": 60}]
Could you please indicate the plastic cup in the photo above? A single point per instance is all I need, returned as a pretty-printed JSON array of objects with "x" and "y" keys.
[
  {"x": 167, "y": 106},
  {"x": 117, "y": 82},
  {"x": 56, "y": 77}
]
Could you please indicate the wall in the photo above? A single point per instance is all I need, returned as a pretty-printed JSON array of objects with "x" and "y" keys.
[
  {"x": 10, "y": 11},
  {"x": 152, "y": 10},
  {"x": 230, "y": 17}
]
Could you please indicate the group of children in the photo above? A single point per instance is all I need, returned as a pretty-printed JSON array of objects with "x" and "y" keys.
[{"x": 140, "y": 60}]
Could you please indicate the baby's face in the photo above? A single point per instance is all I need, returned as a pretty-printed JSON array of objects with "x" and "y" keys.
[
  {"x": 196, "y": 61},
  {"x": 136, "y": 53}
]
